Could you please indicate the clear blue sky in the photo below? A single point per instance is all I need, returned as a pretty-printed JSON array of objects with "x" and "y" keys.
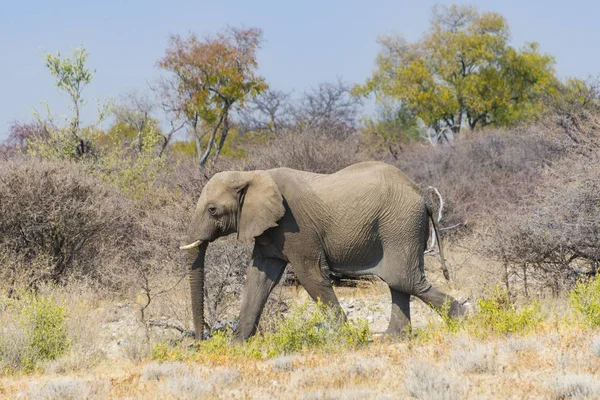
[{"x": 307, "y": 42}]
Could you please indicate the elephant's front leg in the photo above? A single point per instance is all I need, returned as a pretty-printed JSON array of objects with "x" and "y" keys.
[
  {"x": 262, "y": 276},
  {"x": 400, "y": 317}
]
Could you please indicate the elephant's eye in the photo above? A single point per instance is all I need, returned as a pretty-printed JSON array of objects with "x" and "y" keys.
[{"x": 212, "y": 210}]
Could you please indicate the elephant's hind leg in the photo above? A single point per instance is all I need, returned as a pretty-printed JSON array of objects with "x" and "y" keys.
[
  {"x": 400, "y": 316},
  {"x": 439, "y": 300}
]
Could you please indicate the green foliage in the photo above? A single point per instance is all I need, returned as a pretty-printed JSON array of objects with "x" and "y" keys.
[
  {"x": 320, "y": 329},
  {"x": 585, "y": 298},
  {"x": 44, "y": 322},
  {"x": 40, "y": 334},
  {"x": 462, "y": 71},
  {"x": 498, "y": 315},
  {"x": 59, "y": 144},
  {"x": 71, "y": 73},
  {"x": 65, "y": 141},
  {"x": 123, "y": 132},
  {"x": 183, "y": 148},
  {"x": 302, "y": 330},
  {"x": 134, "y": 171},
  {"x": 452, "y": 325},
  {"x": 392, "y": 123},
  {"x": 574, "y": 95}
]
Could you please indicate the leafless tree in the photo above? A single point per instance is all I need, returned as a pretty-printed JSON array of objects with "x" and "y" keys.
[
  {"x": 138, "y": 110},
  {"x": 135, "y": 110},
  {"x": 329, "y": 107},
  {"x": 19, "y": 133},
  {"x": 268, "y": 112}
]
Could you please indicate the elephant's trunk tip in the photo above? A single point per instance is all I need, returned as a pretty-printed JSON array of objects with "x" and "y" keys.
[{"x": 190, "y": 246}]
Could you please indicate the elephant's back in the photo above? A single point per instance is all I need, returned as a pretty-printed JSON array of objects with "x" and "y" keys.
[{"x": 370, "y": 178}]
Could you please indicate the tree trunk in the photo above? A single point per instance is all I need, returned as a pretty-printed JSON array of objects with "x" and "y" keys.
[
  {"x": 211, "y": 142},
  {"x": 198, "y": 148},
  {"x": 224, "y": 133},
  {"x": 75, "y": 122}
]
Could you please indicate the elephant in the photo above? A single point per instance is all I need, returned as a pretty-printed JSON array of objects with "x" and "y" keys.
[{"x": 366, "y": 219}]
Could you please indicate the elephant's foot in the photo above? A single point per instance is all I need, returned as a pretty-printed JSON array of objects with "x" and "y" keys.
[
  {"x": 401, "y": 332},
  {"x": 460, "y": 309},
  {"x": 400, "y": 316}
]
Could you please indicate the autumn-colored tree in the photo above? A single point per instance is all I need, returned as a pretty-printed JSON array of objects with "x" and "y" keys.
[
  {"x": 462, "y": 72},
  {"x": 210, "y": 76}
]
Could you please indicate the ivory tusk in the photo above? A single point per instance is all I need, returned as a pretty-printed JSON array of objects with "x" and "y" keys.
[{"x": 191, "y": 245}]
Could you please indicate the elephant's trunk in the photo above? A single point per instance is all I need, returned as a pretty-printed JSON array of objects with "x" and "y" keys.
[{"x": 197, "y": 289}]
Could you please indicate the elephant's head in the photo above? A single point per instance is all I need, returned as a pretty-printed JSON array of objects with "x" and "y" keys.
[{"x": 246, "y": 203}]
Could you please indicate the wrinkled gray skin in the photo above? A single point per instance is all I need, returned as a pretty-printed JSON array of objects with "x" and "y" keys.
[{"x": 367, "y": 219}]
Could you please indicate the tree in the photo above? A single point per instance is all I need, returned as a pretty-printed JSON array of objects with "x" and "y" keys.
[
  {"x": 462, "y": 72},
  {"x": 328, "y": 108},
  {"x": 391, "y": 125},
  {"x": 210, "y": 76},
  {"x": 21, "y": 133},
  {"x": 134, "y": 114},
  {"x": 71, "y": 76},
  {"x": 268, "y": 112},
  {"x": 69, "y": 141},
  {"x": 134, "y": 118}
]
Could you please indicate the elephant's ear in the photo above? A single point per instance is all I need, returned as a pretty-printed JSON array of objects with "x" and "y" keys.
[{"x": 260, "y": 205}]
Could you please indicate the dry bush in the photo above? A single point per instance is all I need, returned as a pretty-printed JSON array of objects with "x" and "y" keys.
[
  {"x": 155, "y": 371},
  {"x": 482, "y": 171},
  {"x": 58, "y": 220},
  {"x": 284, "y": 362},
  {"x": 549, "y": 238},
  {"x": 357, "y": 393},
  {"x": 315, "y": 151},
  {"x": 423, "y": 381},
  {"x": 475, "y": 359},
  {"x": 569, "y": 386},
  {"x": 228, "y": 260},
  {"x": 66, "y": 388},
  {"x": 553, "y": 236},
  {"x": 595, "y": 345},
  {"x": 61, "y": 222}
]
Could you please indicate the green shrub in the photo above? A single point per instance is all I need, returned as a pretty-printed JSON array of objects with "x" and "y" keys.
[
  {"x": 40, "y": 333},
  {"x": 302, "y": 330},
  {"x": 133, "y": 172},
  {"x": 320, "y": 329},
  {"x": 45, "y": 322},
  {"x": 498, "y": 315},
  {"x": 585, "y": 298}
]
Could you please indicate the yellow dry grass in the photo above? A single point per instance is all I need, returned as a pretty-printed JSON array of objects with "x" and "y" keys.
[
  {"x": 557, "y": 359},
  {"x": 530, "y": 367}
]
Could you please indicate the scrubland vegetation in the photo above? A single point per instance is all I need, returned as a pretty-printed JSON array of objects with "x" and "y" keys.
[{"x": 93, "y": 291}]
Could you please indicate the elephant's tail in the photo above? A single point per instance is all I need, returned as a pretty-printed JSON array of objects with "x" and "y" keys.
[{"x": 435, "y": 233}]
